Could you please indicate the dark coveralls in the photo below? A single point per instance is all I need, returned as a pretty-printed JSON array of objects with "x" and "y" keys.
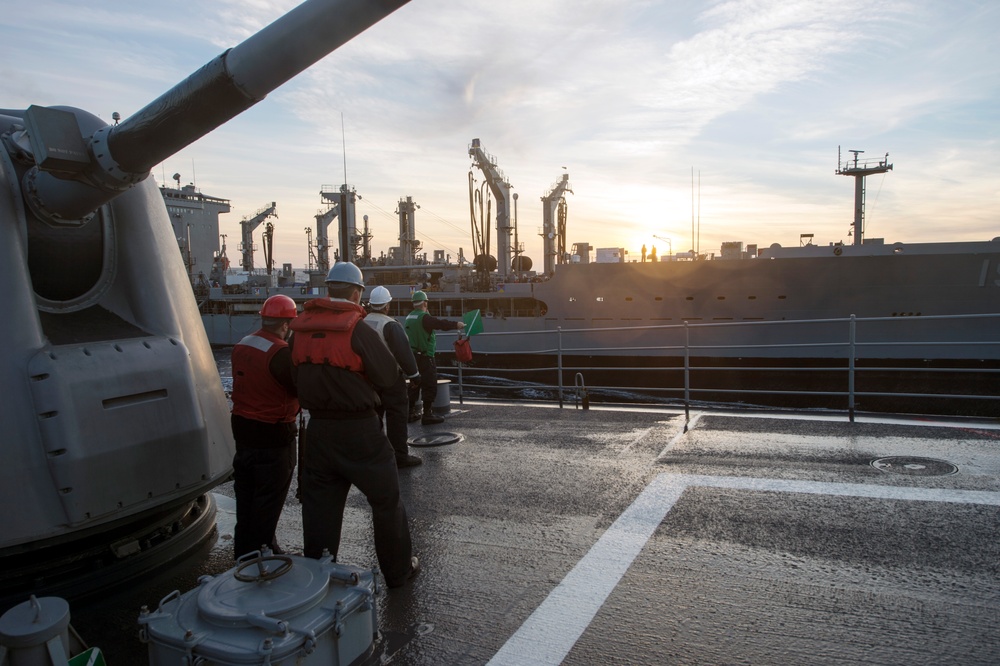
[
  {"x": 395, "y": 399},
  {"x": 263, "y": 422},
  {"x": 336, "y": 361},
  {"x": 423, "y": 350}
]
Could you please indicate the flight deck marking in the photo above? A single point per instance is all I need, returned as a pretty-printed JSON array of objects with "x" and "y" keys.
[
  {"x": 676, "y": 438},
  {"x": 552, "y": 630}
]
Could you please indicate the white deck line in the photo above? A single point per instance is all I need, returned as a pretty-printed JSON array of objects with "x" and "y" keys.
[{"x": 552, "y": 630}]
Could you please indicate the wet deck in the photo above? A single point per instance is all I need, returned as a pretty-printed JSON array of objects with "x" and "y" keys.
[{"x": 552, "y": 536}]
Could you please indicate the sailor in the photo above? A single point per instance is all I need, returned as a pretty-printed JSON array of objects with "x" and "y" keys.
[
  {"x": 420, "y": 329},
  {"x": 395, "y": 400},
  {"x": 337, "y": 366},
  {"x": 263, "y": 422}
]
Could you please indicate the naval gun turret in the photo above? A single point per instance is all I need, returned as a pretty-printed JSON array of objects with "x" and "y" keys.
[{"x": 115, "y": 421}]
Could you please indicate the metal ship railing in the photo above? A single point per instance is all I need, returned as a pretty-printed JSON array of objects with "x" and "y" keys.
[{"x": 893, "y": 370}]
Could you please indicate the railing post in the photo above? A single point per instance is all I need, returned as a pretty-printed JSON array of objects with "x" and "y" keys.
[
  {"x": 850, "y": 367},
  {"x": 687, "y": 376},
  {"x": 460, "y": 396},
  {"x": 559, "y": 365}
]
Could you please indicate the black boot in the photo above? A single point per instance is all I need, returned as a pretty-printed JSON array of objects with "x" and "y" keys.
[{"x": 430, "y": 418}]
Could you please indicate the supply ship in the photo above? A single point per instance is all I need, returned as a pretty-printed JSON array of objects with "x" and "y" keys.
[{"x": 610, "y": 307}]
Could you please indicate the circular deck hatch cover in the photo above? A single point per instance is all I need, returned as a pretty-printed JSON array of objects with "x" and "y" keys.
[
  {"x": 911, "y": 466},
  {"x": 437, "y": 439},
  {"x": 227, "y": 600}
]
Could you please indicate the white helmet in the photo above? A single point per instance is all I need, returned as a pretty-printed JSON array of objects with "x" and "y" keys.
[{"x": 380, "y": 296}]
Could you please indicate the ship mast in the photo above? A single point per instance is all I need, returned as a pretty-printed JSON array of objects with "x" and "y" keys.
[
  {"x": 409, "y": 246},
  {"x": 859, "y": 170}
]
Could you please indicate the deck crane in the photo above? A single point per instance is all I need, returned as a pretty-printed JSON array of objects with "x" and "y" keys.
[
  {"x": 323, "y": 220},
  {"x": 501, "y": 189},
  {"x": 247, "y": 226},
  {"x": 554, "y": 226},
  {"x": 342, "y": 201}
]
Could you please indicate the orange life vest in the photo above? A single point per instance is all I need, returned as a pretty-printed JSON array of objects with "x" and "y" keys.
[{"x": 323, "y": 334}]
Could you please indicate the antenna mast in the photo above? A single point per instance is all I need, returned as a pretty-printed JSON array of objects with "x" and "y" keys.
[{"x": 860, "y": 169}]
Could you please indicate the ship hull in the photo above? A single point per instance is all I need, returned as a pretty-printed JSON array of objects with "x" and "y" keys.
[{"x": 933, "y": 301}]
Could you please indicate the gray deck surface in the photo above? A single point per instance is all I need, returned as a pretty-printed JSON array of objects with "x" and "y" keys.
[{"x": 613, "y": 536}]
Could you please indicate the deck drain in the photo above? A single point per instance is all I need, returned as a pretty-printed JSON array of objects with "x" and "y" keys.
[
  {"x": 437, "y": 439},
  {"x": 910, "y": 466}
]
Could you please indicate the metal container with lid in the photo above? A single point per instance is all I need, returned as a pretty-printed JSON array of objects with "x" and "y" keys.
[
  {"x": 269, "y": 609},
  {"x": 35, "y": 633}
]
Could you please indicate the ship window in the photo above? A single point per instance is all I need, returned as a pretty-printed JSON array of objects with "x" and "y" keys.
[
  {"x": 658, "y": 298},
  {"x": 628, "y": 299},
  {"x": 781, "y": 298},
  {"x": 752, "y": 298},
  {"x": 721, "y": 298},
  {"x": 689, "y": 298}
]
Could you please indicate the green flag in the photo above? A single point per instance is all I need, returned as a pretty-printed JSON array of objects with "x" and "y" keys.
[{"x": 473, "y": 323}]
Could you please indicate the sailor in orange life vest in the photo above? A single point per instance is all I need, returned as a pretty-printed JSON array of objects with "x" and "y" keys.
[
  {"x": 263, "y": 421},
  {"x": 337, "y": 364},
  {"x": 395, "y": 400}
]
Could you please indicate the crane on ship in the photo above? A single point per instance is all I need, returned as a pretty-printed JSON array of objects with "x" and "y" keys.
[
  {"x": 353, "y": 246},
  {"x": 498, "y": 184},
  {"x": 323, "y": 220},
  {"x": 554, "y": 212},
  {"x": 247, "y": 227}
]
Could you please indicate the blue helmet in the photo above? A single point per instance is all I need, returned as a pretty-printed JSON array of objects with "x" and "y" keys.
[{"x": 346, "y": 272}]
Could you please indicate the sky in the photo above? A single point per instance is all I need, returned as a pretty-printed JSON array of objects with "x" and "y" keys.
[{"x": 682, "y": 125}]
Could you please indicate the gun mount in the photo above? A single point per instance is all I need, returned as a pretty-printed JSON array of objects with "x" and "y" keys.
[{"x": 116, "y": 424}]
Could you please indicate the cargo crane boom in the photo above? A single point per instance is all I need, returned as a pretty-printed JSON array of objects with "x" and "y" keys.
[
  {"x": 553, "y": 226},
  {"x": 501, "y": 188},
  {"x": 247, "y": 228},
  {"x": 323, "y": 220}
]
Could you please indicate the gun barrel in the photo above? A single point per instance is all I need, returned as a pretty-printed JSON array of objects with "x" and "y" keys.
[
  {"x": 117, "y": 157},
  {"x": 239, "y": 78}
]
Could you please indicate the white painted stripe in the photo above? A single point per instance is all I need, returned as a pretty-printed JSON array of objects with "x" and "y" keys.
[
  {"x": 844, "y": 489},
  {"x": 683, "y": 433},
  {"x": 552, "y": 630}
]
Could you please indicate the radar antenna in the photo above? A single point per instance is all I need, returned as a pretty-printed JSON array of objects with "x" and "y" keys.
[{"x": 860, "y": 169}]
